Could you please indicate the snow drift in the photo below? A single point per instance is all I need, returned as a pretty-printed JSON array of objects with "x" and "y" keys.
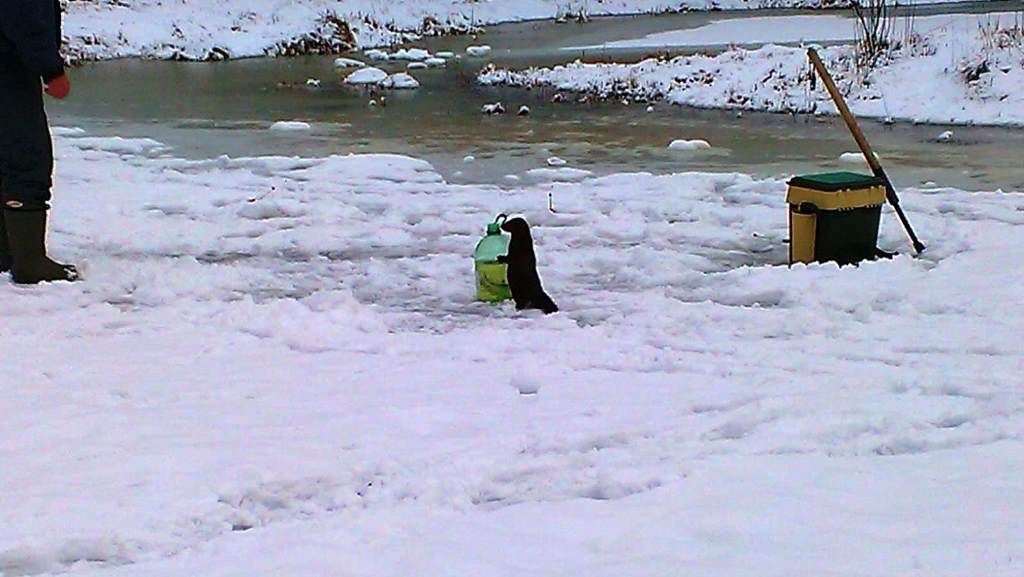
[
  {"x": 275, "y": 366},
  {"x": 958, "y": 69}
]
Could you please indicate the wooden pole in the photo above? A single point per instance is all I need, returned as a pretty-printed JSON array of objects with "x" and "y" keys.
[{"x": 862, "y": 142}]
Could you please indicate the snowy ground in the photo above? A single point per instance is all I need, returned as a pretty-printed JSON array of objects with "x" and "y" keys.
[
  {"x": 275, "y": 367},
  {"x": 179, "y": 29},
  {"x": 760, "y": 30},
  {"x": 808, "y": 29},
  {"x": 956, "y": 69}
]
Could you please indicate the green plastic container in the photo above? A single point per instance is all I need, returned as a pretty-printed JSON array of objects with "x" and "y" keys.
[
  {"x": 834, "y": 216},
  {"x": 491, "y": 278}
]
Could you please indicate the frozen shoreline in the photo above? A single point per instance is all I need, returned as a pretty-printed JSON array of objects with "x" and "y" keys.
[
  {"x": 189, "y": 31},
  {"x": 275, "y": 367},
  {"x": 950, "y": 70}
]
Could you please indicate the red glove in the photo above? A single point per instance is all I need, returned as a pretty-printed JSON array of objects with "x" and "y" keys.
[{"x": 59, "y": 87}]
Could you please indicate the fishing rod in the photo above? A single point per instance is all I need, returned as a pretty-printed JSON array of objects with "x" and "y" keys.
[{"x": 862, "y": 142}]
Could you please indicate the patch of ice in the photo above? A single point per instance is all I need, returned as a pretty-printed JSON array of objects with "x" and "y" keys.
[
  {"x": 348, "y": 63},
  {"x": 66, "y": 131},
  {"x": 478, "y": 51},
  {"x": 290, "y": 126},
  {"x": 468, "y": 158},
  {"x": 416, "y": 65},
  {"x": 376, "y": 54},
  {"x": 494, "y": 108},
  {"x": 417, "y": 54},
  {"x": 682, "y": 144},
  {"x": 563, "y": 174},
  {"x": 855, "y": 158},
  {"x": 314, "y": 82},
  {"x": 121, "y": 145},
  {"x": 435, "y": 62},
  {"x": 445, "y": 54},
  {"x": 400, "y": 81},
  {"x": 946, "y": 136},
  {"x": 368, "y": 75},
  {"x": 524, "y": 110},
  {"x": 556, "y": 161}
]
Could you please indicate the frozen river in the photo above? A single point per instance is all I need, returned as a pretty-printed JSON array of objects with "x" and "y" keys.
[{"x": 226, "y": 108}]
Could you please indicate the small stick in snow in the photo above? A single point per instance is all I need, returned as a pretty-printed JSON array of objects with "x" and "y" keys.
[
  {"x": 551, "y": 203},
  {"x": 264, "y": 195}
]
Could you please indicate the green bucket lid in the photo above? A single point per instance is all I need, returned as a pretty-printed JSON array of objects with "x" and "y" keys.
[{"x": 835, "y": 181}]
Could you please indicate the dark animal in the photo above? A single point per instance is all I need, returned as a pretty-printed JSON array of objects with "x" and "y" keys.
[{"x": 523, "y": 279}]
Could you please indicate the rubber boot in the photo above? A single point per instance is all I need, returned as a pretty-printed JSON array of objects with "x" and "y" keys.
[
  {"x": 26, "y": 235},
  {"x": 5, "y": 248}
]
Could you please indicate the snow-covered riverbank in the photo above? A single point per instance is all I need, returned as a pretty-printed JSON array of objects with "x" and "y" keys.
[
  {"x": 966, "y": 69},
  {"x": 275, "y": 367},
  {"x": 213, "y": 31}
]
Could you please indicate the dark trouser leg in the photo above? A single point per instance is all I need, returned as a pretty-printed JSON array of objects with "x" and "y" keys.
[
  {"x": 5, "y": 249},
  {"x": 26, "y": 152},
  {"x": 26, "y": 166}
]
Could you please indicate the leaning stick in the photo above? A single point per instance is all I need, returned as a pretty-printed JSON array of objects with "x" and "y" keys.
[{"x": 862, "y": 142}]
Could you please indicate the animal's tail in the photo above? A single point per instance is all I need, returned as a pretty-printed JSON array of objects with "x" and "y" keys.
[{"x": 545, "y": 304}]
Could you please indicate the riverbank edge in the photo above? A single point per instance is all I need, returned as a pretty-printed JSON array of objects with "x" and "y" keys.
[
  {"x": 960, "y": 76},
  {"x": 99, "y": 32}
]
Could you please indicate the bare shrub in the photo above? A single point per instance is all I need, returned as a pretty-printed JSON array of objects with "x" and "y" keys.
[
  {"x": 1003, "y": 34},
  {"x": 876, "y": 20},
  {"x": 332, "y": 35},
  {"x": 578, "y": 10},
  {"x": 1002, "y": 45}
]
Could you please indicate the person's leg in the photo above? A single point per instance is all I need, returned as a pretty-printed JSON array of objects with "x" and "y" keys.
[
  {"x": 5, "y": 249},
  {"x": 26, "y": 157},
  {"x": 26, "y": 164}
]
